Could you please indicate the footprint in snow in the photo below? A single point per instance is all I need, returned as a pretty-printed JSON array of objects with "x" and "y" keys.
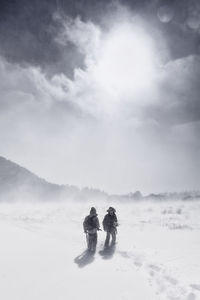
[
  {"x": 124, "y": 254},
  {"x": 191, "y": 296},
  {"x": 195, "y": 286},
  {"x": 171, "y": 280},
  {"x": 155, "y": 268}
]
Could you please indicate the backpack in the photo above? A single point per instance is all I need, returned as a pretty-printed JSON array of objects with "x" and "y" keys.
[{"x": 89, "y": 223}]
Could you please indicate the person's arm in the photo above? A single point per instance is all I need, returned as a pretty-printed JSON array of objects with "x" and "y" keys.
[
  {"x": 97, "y": 224},
  {"x": 115, "y": 221},
  {"x": 84, "y": 225}
]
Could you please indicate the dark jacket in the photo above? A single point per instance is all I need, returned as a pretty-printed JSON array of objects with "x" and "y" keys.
[
  {"x": 91, "y": 224},
  {"x": 110, "y": 222}
]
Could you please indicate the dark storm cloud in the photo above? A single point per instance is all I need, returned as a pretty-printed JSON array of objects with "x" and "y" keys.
[
  {"x": 27, "y": 32},
  {"x": 28, "y": 29}
]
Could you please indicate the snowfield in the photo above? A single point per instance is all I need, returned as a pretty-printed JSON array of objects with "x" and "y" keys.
[{"x": 157, "y": 256}]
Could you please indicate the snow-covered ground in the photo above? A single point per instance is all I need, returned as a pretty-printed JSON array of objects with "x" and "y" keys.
[{"x": 157, "y": 256}]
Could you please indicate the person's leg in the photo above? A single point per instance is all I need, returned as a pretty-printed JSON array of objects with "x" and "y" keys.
[
  {"x": 89, "y": 241},
  {"x": 113, "y": 238},
  {"x": 107, "y": 239},
  {"x": 94, "y": 242}
]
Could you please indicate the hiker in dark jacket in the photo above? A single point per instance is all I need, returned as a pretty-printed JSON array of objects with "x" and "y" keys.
[
  {"x": 110, "y": 224},
  {"x": 91, "y": 226}
]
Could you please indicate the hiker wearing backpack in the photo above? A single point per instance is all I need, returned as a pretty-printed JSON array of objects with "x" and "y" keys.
[
  {"x": 91, "y": 226},
  {"x": 110, "y": 224}
]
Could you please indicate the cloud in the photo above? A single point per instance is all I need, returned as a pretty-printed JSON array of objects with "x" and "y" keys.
[
  {"x": 178, "y": 96},
  {"x": 32, "y": 104},
  {"x": 85, "y": 35},
  {"x": 118, "y": 62},
  {"x": 168, "y": 94},
  {"x": 94, "y": 127}
]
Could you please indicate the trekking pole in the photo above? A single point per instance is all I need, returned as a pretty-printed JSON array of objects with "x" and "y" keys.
[{"x": 86, "y": 235}]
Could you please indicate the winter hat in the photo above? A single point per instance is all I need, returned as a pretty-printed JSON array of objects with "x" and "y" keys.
[
  {"x": 111, "y": 209},
  {"x": 93, "y": 211}
]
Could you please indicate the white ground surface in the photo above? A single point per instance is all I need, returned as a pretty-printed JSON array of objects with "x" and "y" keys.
[{"x": 157, "y": 255}]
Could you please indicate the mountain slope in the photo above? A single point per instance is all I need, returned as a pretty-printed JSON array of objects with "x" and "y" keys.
[{"x": 17, "y": 183}]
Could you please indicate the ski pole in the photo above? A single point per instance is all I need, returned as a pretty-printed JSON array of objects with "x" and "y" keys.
[{"x": 86, "y": 235}]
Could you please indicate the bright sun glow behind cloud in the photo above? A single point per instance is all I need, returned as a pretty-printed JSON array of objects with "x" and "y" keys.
[
  {"x": 120, "y": 64},
  {"x": 125, "y": 61}
]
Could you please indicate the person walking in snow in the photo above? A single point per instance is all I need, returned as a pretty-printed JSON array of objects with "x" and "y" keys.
[
  {"x": 90, "y": 227},
  {"x": 110, "y": 224}
]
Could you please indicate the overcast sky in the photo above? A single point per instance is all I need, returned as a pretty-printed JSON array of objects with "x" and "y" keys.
[{"x": 103, "y": 94}]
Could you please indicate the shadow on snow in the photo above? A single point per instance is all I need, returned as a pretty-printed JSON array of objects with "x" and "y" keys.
[
  {"x": 108, "y": 252},
  {"x": 84, "y": 259}
]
